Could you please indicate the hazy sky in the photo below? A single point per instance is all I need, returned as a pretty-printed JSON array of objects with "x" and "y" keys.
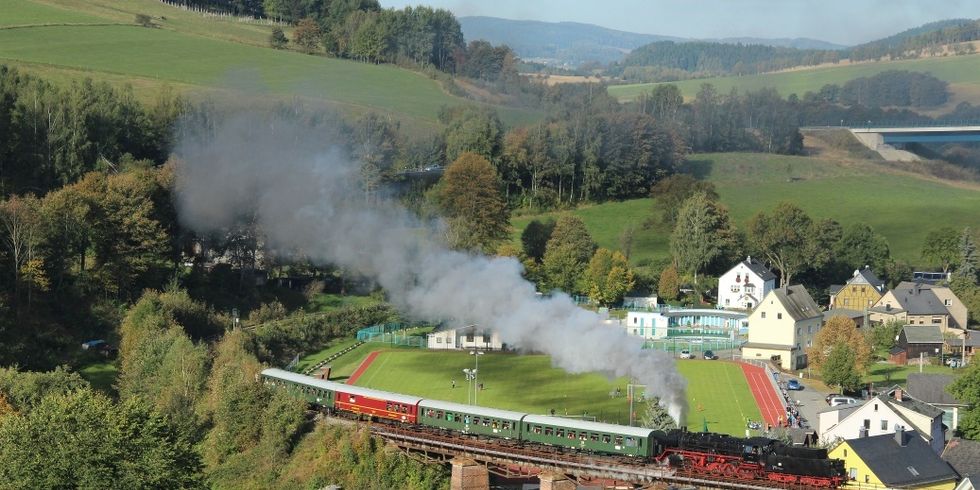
[{"x": 839, "y": 21}]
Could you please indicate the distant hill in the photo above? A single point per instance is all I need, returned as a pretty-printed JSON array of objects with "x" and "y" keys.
[
  {"x": 557, "y": 43},
  {"x": 573, "y": 43},
  {"x": 796, "y": 42}
]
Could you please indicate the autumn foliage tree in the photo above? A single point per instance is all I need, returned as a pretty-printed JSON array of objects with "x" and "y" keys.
[
  {"x": 608, "y": 277},
  {"x": 669, "y": 286},
  {"x": 840, "y": 330},
  {"x": 471, "y": 200},
  {"x": 307, "y": 35}
]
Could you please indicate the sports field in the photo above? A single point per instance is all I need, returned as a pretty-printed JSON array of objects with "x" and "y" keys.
[
  {"x": 718, "y": 393},
  {"x": 903, "y": 207},
  {"x": 960, "y": 71},
  {"x": 75, "y": 35}
]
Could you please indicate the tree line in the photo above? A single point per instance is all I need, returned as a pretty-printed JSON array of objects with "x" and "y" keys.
[{"x": 889, "y": 88}]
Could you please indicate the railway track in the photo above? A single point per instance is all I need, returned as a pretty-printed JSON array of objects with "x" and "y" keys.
[{"x": 511, "y": 459}]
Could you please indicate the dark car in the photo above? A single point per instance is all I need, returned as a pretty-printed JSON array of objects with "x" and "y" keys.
[
  {"x": 710, "y": 355},
  {"x": 793, "y": 385}
]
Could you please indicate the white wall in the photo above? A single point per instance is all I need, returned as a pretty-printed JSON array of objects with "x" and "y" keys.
[{"x": 646, "y": 324}]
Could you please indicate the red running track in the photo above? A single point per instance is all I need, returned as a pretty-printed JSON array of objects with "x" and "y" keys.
[
  {"x": 366, "y": 363},
  {"x": 764, "y": 393}
]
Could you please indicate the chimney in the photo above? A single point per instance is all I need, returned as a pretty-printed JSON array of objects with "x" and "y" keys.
[
  {"x": 898, "y": 394},
  {"x": 900, "y": 436}
]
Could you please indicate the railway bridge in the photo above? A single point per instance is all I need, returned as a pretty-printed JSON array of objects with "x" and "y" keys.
[{"x": 473, "y": 460}]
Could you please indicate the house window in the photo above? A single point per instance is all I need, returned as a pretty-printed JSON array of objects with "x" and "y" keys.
[
  {"x": 937, "y": 320},
  {"x": 845, "y": 301},
  {"x": 867, "y": 423},
  {"x": 809, "y": 329},
  {"x": 635, "y": 319},
  {"x": 884, "y": 425},
  {"x": 469, "y": 337},
  {"x": 728, "y": 301},
  {"x": 779, "y": 316},
  {"x": 763, "y": 314},
  {"x": 948, "y": 302},
  {"x": 438, "y": 340},
  {"x": 799, "y": 331},
  {"x": 854, "y": 289}
]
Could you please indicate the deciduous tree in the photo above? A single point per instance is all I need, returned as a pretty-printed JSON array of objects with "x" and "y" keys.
[
  {"x": 967, "y": 388},
  {"x": 470, "y": 197},
  {"x": 307, "y": 35},
  {"x": 840, "y": 368},
  {"x": 669, "y": 286},
  {"x": 941, "y": 248},
  {"x": 702, "y": 234},
  {"x": 671, "y": 193},
  {"x": 608, "y": 277},
  {"x": 860, "y": 246},
  {"x": 840, "y": 330},
  {"x": 790, "y": 240}
]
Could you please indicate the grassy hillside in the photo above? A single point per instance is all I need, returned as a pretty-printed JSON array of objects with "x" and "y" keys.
[
  {"x": 962, "y": 72},
  {"x": 98, "y": 39},
  {"x": 900, "y": 206}
]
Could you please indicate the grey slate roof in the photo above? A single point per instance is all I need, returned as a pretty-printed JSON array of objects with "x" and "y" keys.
[
  {"x": 923, "y": 334},
  {"x": 852, "y": 314},
  {"x": 835, "y": 288},
  {"x": 759, "y": 269},
  {"x": 964, "y": 456},
  {"x": 797, "y": 302},
  {"x": 902, "y": 466},
  {"x": 759, "y": 345},
  {"x": 931, "y": 388},
  {"x": 918, "y": 299},
  {"x": 870, "y": 277}
]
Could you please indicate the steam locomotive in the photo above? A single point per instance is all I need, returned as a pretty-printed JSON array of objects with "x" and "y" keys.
[{"x": 702, "y": 453}]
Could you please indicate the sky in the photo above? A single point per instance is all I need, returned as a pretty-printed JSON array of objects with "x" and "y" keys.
[{"x": 838, "y": 21}]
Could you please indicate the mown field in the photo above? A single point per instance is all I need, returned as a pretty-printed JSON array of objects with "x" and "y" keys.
[
  {"x": 900, "y": 206},
  {"x": 717, "y": 391},
  {"x": 98, "y": 39},
  {"x": 960, "y": 71}
]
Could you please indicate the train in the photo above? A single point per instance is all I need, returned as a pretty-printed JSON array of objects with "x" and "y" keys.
[{"x": 702, "y": 453}]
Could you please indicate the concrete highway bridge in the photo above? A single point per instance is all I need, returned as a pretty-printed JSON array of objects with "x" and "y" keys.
[{"x": 888, "y": 140}]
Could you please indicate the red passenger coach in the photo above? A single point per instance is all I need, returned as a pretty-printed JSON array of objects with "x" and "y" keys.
[{"x": 378, "y": 404}]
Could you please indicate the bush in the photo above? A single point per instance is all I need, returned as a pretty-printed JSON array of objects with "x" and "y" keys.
[
  {"x": 144, "y": 20},
  {"x": 278, "y": 39}
]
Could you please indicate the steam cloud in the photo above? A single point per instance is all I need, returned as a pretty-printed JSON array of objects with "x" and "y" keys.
[{"x": 305, "y": 196}]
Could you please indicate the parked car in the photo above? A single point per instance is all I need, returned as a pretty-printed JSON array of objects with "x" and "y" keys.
[
  {"x": 685, "y": 354},
  {"x": 793, "y": 385},
  {"x": 830, "y": 397},
  {"x": 710, "y": 355},
  {"x": 842, "y": 400}
]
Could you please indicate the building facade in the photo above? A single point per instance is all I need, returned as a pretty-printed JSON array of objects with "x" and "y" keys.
[
  {"x": 921, "y": 304},
  {"x": 861, "y": 291},
  {"x": 744, "y": 285},
  {"x": 782, "y": 327},
  {"x": 667, "y": 322},
  {"x": 883, "y": 414},
  {"x": 470, "y": 337},
  {"x": 897, "y": 460}
]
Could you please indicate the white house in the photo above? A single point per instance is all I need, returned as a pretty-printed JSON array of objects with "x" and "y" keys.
[
  {"x": 647, "y": 324},
  {"x": 782, "y": 327},
  {"x": 744, "y": 285},
  {"x": 470, "y": 337},
  {"x": 883, "y": 414}
]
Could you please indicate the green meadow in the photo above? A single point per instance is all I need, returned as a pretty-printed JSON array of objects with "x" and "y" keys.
[
  {"x": 960, "y": 71},
  {"x": 103, "y": 45},
  {"x": 717, "y": 391},
  {"x": 903, "y": 207}
]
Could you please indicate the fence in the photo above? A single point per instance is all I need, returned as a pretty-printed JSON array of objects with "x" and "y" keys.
[
  {"x": 407, "y": 335},
  {"x": 205, "y": 12},
  {"x": 315, "y": 367},
  {"x": 677, "y": 344}
]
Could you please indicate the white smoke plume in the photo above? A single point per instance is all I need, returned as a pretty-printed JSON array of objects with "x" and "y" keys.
[{"x": 305, "y": 195}]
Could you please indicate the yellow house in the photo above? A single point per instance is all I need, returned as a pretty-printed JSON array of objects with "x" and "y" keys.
[
  {"x": 861, "y": 291},
  {"x": 899, "y": 460}
]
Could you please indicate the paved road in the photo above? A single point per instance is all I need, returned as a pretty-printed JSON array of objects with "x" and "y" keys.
[{"x": 809, "y": 401}]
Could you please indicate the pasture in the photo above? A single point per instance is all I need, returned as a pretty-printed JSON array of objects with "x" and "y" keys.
[
  {"x": 717, "y": 390},
  {"x": 901, "y": 206},
  {"x": 959, "y": 71},
  {"x": 99, "y": 44}
]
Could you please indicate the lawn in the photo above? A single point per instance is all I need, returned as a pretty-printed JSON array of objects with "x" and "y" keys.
[
  {"x": 959, "y": 71},
  {"x": 186, "y": 51},
  {"x": 328, "y": 302},
  {"x": 902, "y": 207},
  {"x": 101, "y": 375},
  {"x": 884, "y": 374},
  {"x": 335, "y": 346},
  {"x": 529, "y": 383}
]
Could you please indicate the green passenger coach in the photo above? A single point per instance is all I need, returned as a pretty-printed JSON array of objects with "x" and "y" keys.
[
  {"x": 471, "y": 419},
  {"x": 588, "y": 436},
  {"x": 316, "y": 391}
]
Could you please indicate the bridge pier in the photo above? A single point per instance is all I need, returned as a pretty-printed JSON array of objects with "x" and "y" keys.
[
  {"x": 468, "y": 475},
  {"x": 555, "y": 480}
]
